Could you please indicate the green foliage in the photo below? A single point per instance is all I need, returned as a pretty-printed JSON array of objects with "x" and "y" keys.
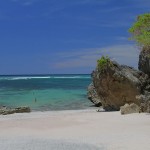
[
  {"x": 141, "y": 30},
  {"x": 103, "y": 62}
]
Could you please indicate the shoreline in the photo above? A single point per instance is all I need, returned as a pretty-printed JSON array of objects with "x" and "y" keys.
[
  {"x": 43, "y": 113},
  {"x": 75, "y": 129}
]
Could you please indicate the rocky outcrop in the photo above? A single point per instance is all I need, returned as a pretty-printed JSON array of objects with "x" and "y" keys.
[
  {"x": 144, "y": 61},
  {"x": 22, "y": 110},
  {"x": 117, "y": 85},
  {"x": 129, "y": 108},
  {"x": 6, "y": 110},
  {"x": 145, "y": 102},
  {"x": 92, "y": 95}
]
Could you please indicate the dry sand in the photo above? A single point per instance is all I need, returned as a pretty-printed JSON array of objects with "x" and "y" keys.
[{"x": 75, "y": 130}]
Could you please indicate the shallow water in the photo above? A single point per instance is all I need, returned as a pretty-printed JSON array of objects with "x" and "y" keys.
[{"x": 45, "y": 92}]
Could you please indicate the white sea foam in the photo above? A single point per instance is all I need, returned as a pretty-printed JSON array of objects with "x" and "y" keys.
[
  {"x": 26, "y": 78},
  {"x": 44, "y": 77},
  {"x": 74, "y": 77},
  {"x": 22, "y": 78}
]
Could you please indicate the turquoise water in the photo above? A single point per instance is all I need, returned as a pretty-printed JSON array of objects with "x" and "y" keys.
[{"x": 45, "y": 92}]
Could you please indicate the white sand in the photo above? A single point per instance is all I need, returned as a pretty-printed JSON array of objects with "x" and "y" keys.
[{"x": 75, "y": 130}]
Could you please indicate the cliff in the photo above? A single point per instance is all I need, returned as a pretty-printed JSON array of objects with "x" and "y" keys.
[{"x": 144, "y": 61}]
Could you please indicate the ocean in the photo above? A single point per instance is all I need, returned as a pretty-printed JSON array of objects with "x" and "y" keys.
[{"x": 45, "y": 92}]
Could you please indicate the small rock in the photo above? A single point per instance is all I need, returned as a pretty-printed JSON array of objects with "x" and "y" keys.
[{"x": 129, "y": 108}]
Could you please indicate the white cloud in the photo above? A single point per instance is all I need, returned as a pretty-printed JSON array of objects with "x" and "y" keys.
[{"x": 124, "y": 54}]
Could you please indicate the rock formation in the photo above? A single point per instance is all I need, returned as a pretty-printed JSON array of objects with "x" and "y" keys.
[
  {"x": 117, "y": 85},
  {"x": 92, "y": 95},
  {"x": 144, "y": 61},
  {"x": 6, "y": 110},
  {"x": 145, "y": 102},
  {"x": 129, "y": 108}
]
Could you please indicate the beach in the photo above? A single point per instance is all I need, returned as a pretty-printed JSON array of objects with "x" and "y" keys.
[
  {"x": 75, "y": 75},
  {"x": 75, "y": 130}
]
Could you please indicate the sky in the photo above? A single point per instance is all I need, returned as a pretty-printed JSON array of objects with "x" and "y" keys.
[{"x": 66, "y": 36}]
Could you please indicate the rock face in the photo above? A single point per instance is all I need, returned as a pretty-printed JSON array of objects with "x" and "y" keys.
[
  {"x": 144, "y": 61},
  {"x": 129, "y": 108},
  {"x": 92, "y": 95},
  {"x": 6, "y": 111},
  {"x": 117, "y": 85},
  {"x": 145, "y": 102}
]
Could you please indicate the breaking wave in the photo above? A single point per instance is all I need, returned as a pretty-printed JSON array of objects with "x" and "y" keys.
[{"x": 45, "y": 77}]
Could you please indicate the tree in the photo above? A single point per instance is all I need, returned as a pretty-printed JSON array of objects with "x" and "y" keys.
[{"x": 141, "y": 31}]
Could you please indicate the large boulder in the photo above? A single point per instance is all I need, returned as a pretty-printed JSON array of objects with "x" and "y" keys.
[
  {"x": 92, "y": 95},
  {"x": 117, "y": 85},
  {"x": 144, "y": 61},
  {"x": 129, "y": 109}
]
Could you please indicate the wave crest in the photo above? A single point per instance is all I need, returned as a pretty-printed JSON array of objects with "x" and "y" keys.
[{"x": 45, "y": 77}]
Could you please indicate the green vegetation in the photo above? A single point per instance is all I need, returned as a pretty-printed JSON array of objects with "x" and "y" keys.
[
  {"x": 103, "y": 62},
  {"x": 141, "y": 30}
]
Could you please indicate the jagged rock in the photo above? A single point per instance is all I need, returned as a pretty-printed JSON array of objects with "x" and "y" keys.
[
  {"x": 117, "y": 85},
  {"x": 144, "y": 61},
  {"x": 145, "y": 103},
  {"x": 143, "y": 98},
  {"x": 129, "y": 108},
  {"x": 6, "y": 111},
  {"x": 22, "y": 109},
  {"x": 92, "y": 95}
]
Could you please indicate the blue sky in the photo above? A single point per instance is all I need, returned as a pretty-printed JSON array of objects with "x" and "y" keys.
[{"x": 66, "y": 36}]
